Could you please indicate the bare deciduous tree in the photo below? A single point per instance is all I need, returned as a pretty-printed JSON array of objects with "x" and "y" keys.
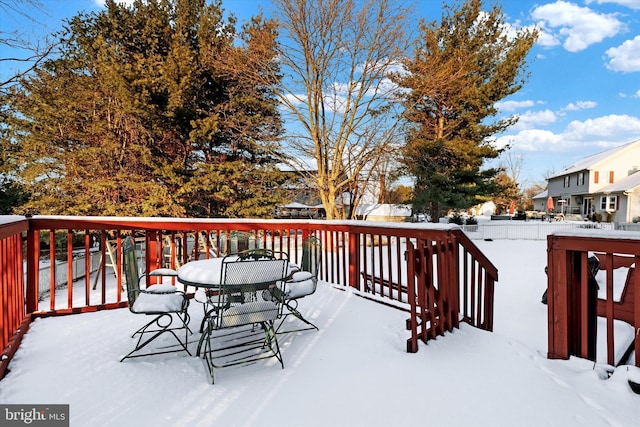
[
  {"x": 336, "y": 56},
  {"x": 29, "y": 53}
]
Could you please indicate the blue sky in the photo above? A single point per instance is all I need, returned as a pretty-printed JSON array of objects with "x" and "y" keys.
[{"x": 583, "y": 95}]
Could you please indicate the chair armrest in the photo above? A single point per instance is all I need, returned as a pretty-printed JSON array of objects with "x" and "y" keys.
[
  {"x": 161, "y": 288},
  {"x": 301, "y": 284},
  {"x": 163, "y": 272},
  {"x": 160, "y": 301}
]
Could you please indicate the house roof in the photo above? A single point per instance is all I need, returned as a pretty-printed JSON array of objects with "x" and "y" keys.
[
  {"x": 296, "y": 205},
  {"x": 625, "y": 184},
  {"x": 542, "y": 195},
  {"x": 384, "y": 210},
  {"x": 591, "y": 161}
]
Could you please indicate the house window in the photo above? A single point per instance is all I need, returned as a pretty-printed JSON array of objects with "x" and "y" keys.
[
  {"x": 606, "y": 175},
  {"x": 567, "y": 181},
  {"x": 581, "y": 178},
  {"x": 609, "y": 203}
]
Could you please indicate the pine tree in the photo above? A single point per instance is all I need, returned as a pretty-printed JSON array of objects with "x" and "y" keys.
[
  {"x": 147, "y": 112},
  {"x": 461, "y": 67}
]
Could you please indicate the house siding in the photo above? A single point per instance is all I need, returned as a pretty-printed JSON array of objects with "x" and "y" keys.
[
  {"x": 597, "y": 175},
  {"x": 634, "y": 205}
]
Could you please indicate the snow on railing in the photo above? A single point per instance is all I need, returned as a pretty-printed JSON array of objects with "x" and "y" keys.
[
  {"x": 14, "y": 320},
  {"x": 370, "y": 257}
]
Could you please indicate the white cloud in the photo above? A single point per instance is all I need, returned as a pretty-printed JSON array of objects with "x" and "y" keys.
[
  {"x": 625, "y": 57},
  {"x": 514, "y": 105},
  {"x": 580, "y": 105},
  {"x": 585, "y": 136},
  {"x": 579, "y": 27},
  {"x": 529, "y": 140},
  {"x": 546, "y": 37},
  {"x": 631, "y": 4},
  {"x": 637, "y": 94},
  {"x": 603, "y": 127},
  {"x": 296, "y": 99},
  {"x": 124, "y": 2},
  {"x": 531, "y": 119}
]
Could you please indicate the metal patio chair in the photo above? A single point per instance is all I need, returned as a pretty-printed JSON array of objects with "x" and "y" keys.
[
  {"x": 239, "y": 323},
  {"x": 204, "y": 296},
  {"x": 163, "y": 302},
  {"x": 300, "y": 284}
]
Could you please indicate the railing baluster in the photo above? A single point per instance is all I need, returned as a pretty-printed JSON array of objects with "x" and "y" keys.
[{"x": 348, "y": 249}]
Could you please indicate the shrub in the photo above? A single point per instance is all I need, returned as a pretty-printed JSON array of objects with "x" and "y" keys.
[{"x": 456, "y": 218}]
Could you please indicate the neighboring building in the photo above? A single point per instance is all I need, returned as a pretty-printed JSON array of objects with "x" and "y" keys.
[
  {"x": 607, "y": 183},
  {"x": 299, "y": 210},
  {"x": 384, "y": 212},
  {"x": 540, "y": 201}
]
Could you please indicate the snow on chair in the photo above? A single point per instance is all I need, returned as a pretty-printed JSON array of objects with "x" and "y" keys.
[
  {"x": 243, "y": 303},
  {"x": 164, "y": 302},
  {"x": 301, "y": 284}
]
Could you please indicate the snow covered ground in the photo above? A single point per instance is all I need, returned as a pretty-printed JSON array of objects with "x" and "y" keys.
[{"x": 353, "y": 372}]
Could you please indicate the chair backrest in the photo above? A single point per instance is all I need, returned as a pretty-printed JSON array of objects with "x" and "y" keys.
[
  {"x": 130, "y": 266},
  {"x": 245, "y": 293},
  {"x": 256, "y": 254},
  {"x": 311, "y": 255},
  {"x": 257, "y": 274}
]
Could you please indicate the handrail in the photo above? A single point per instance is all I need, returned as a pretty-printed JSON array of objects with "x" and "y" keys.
[
  {"x": 367, "y": 256},
  {"x": 14, "y": 319},
  {"x": 573, "y": 301}
]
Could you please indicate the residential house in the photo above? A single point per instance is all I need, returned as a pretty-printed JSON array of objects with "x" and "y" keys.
[
  {"x": 540, "y": 201},
  {"x": 384, "y": 212},
  {"x": 607, "y": 184}
]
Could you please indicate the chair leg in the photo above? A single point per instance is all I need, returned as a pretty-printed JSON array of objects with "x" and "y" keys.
[
  {"x": 292, "y": 308},
  {"x": 238, "y": 347},
  {"x": 207, "y": 358},
  {"x": 271, "y": 340},
  {"x": 144, "y": 339}
]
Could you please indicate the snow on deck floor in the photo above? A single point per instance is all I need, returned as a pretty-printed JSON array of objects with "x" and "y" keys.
[{"x": 353, "y": 372}]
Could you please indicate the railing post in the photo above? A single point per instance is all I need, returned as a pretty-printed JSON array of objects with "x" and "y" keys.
[
  {"x": 571, "y": 311},
  {"x": 557, "y": 302},
  {"x": 454, "y": 268},
  {"x": 412, "y": 322},
  {"x": 33, "y": 261},
  {"x": 354, "y": 260},
  {"x": 154, "y": 254},
  {"x": 637, "y": 310}
]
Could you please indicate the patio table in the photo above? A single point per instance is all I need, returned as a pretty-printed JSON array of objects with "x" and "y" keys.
[
  {"x": 235, "y": 297},
  {"x": 207, "y": 273},
  {"x": 202, "y": 273}
]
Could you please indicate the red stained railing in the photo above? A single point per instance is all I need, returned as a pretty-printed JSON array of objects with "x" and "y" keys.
[
  {"x": 573, "y": 301},
  {"x": 14, "y": 319},
  {"x": 449, "y": 280},
  {"x": 434, "y": 272}
]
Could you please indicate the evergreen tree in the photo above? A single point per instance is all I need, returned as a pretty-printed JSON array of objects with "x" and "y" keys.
[
  {"x": 149, "y": 111},
  {"x": 461, "y": 67},
  {"x": 509, "y": 193}
]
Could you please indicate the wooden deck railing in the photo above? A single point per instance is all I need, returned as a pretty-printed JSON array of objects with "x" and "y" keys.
[
  {"x": 434, "y": 272},
  {"x": 573, "y": 301},
  {"x": 14, "y": 319}
]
